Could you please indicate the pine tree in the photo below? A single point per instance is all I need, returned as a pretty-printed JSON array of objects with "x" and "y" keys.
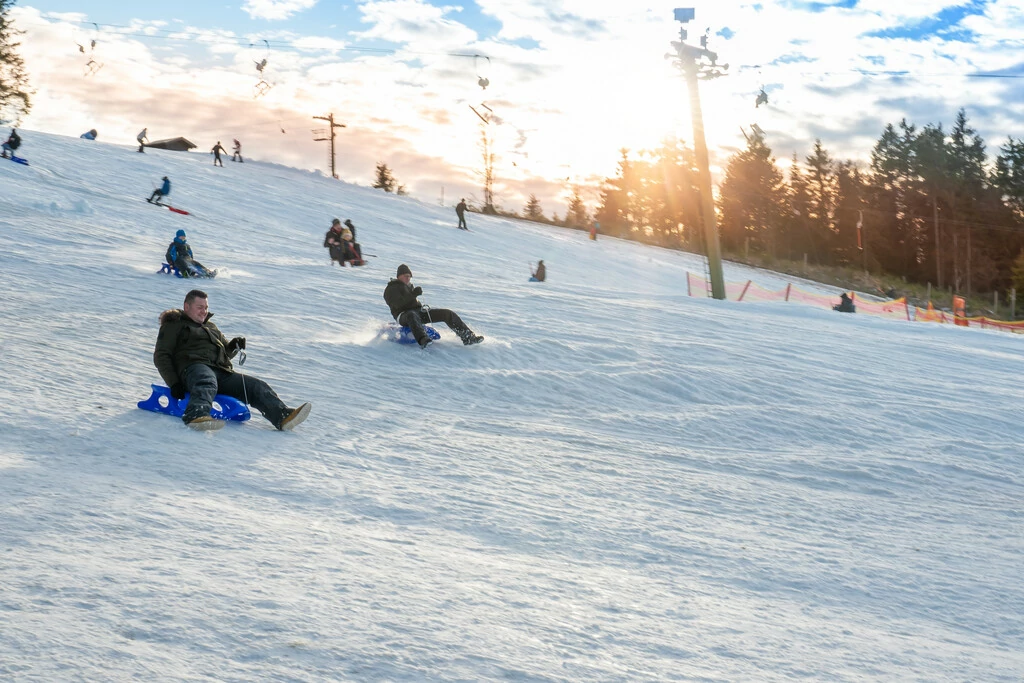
[
  {"x": 15, "y": 100},
  {"x": 401, "y": 191},
  {"x": 752, "y": 199},
  {"x": 1008, "y": 176},
  {"x": 385, "y": 180},
  {"x": 615, "y": 214},
  {"x": 533, "y": 210},
  {"x": 576, "y": 216},
  {"x": 822, "y": 200}
]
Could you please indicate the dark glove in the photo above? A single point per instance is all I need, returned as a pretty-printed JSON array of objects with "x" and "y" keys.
[
  {"x": 417, "y": 291},
  {"x": 236, "y": 343},
  {"x": 178, "y": 390}
]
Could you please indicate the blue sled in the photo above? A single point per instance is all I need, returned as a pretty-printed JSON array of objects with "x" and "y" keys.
[
  {"x": 168, "y": 269},
  {"x": 533, "y": 279},
  {"x": 403, "y": 335},
  {"x": 224, "y": 407},
  {"x": 19, "y": 160}
]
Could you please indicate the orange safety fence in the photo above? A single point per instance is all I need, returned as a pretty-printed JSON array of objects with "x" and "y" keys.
[{"x": 896, "y": 309}]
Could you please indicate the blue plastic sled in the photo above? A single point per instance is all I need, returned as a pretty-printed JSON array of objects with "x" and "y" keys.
[
  {"x": 168, "y": 269},
  {"x": 403, "y": 335},
  {"x": 533, "y": 279},
  {"x": 19, "y": 160},
  {"x": 224, "y": 407}
]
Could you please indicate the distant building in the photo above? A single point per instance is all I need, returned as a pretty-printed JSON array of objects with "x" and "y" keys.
[{"x": 173, "y": 144}]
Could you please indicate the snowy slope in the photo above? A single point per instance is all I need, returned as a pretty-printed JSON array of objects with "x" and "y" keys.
[{"x": 620, "y": 483}]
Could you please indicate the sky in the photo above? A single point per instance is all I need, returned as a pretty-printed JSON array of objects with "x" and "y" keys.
[{"x": 571, "y": 82}]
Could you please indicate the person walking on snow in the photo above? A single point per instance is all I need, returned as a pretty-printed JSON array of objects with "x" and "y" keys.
[
  {"x": 179, "y": 255},
  {"x": 160, "y": 192},
  {"x": 194, "y": 357},
  {"x": 217, "y": 149},
  {"x": 406, "y": 309},
  {"x": 12, "y": 144},
  {"x": 237, "y": 156},
  {"x": 141, "y": 137},
  {"x": 460, "y": 211}
]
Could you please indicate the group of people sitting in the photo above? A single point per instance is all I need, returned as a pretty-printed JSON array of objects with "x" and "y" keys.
[{"x": 341, "y": 244}]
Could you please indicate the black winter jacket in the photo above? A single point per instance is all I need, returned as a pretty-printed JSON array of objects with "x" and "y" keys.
[
  {"x": 182, "y": 342},
  {"x": 400, "y": 297}
]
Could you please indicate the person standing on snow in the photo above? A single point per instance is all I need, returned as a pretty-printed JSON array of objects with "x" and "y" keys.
[
  {"x": 460, "y": 211},
  {"x": 141, "y": 137},
  {"x": 160, "y": 192},
  {"x": 179, "y": 255},
  {"x": 237, "y": 156},
  {"x": 217, "y": 149},
  {"x": 193, "y": 357},
  {"x": 406, "y": 309}
]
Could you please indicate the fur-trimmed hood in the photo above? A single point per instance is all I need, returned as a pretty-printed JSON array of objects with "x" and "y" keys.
[{"x": 173, "y": 315}]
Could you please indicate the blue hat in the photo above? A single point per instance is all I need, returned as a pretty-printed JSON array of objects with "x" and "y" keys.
[{"x": 180, "y": 233}]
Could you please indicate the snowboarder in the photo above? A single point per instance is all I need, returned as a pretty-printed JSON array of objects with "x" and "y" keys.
[
  {"x": 217, "y": 149},
  {"x": 12, "y": 144},
  {"x": 160, "y": 192},
  {"x": 89, "y": 135},
  {"x": 400, "y": 296},
  {"x": 845, "y": 304},
  {"x": 460, "y": 211},
  {"x": 179, "y": 255},
  {"x": 194, "y": 357},
  {"x": 237, "y": 156},
  {"x": 541, "y": 272},
  {"x": 141, "y": 137}
]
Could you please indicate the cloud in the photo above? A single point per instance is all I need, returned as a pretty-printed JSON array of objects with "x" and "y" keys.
[
  {"x": 415, "y": 24},
  {"x": 275, "y": 10}
]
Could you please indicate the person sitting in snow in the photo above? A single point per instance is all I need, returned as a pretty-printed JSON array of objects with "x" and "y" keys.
[
  {"x": 194, "y": 357},
  {"x": 89, "y": 135},
  {"x": 400, "y": 296},
  {"x": 160, "y": 192},
  {"x": 845, "y": 304},
  {"x": 340, "y": 241},
  {"x": 237, "y": 156},
  {"x": 12, "y": 144},
  {"x": 540, "y": 273},
  {"x": 179, "y": 255}
]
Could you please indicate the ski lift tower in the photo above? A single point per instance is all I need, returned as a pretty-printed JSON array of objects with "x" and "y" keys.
[
  {"x": 699, "y": 63},
  {"x": 327, "y": 135}
]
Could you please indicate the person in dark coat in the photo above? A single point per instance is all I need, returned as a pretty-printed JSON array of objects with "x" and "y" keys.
[
  {"x": 237, "y": 156},
  {"x": 541, "y": 272},
  {"x": 333, "y": 242},
  {"x": 12, "y": 144},
  {"x": 460, "y": 211},
  {"x": 160, "y": 192},
  {"x": 400, "y": 296},
  {"x": 845, "y": 304},
  {"x": 194, "y": 357},
  {"x": 179, "y": 255},
  {"x": 217, "y": 149}
]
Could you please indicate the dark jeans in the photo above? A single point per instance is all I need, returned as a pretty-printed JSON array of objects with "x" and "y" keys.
[
  {"x": 415, "y": 320},
  {"x": 462, "y": 221},
  {"x": 205, "y": 382},
  {"x": 191, "y": 268},
  {"x": 157, "y": 196}
]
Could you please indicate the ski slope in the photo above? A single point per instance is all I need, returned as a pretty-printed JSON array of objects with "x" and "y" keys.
[{"x": 620, "y": 483}]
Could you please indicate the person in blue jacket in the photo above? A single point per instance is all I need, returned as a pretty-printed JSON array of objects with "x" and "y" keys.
[
  {"x": 160, "y": 192},
  {"x": 89, "y": 135},
  {"x": 179, "y": 255}
]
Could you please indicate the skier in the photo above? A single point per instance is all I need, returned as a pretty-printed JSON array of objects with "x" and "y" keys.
[
  {"x": 160, "y": 192},
  {"x": 217, "y": 149},
  {"x": 179, "y": 255},
  {"x": 141, "y": 137},
  {"x": 541, "y": 272},
  {"x": 460, "y": 210},
  {"x": 12, "y": 144},
  {"x": 89, "y": 135},
  {"x": 194, "y": 357},
  {"x": 400, "y": 296},
  {"x": 845, "y": 304},
  {"x": 237, "y": 156}
]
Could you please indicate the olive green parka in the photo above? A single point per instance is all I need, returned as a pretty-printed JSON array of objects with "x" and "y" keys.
[{"x": 182, "y": 342}]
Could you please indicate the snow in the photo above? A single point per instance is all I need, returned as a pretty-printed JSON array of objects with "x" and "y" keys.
[{"x": 620, "y": 483}]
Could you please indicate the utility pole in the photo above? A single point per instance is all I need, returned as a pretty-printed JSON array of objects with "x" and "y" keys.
[
  {"x": 330, "y": 136},
  {"x": 689, "y": 60}
]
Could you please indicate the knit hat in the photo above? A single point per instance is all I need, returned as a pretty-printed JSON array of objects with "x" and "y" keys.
[
  {"x": 336, "y": 221},
  {"x": 180, "y": 233},
  {"x": 404, "y": 270}
]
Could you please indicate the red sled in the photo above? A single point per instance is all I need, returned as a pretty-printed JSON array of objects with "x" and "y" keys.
[{"x": 186, "y": 213}]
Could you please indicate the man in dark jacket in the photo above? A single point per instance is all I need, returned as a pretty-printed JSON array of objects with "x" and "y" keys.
[
  {"x": 460, "y": 211},
  {"x": 845, "y": 304},
  {"x": 12, "y": 144},
  {"x": 217, "y": 149},
  {"x": 179, "y": 255},
  {"x": 400, "y": 296},
  {"x": 194, "y": 357}
]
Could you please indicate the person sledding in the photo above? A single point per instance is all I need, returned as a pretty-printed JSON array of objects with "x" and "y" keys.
[
  {"x": 160, "y": 192},
  {"x": 179, "y": 255},
  {"x": 12, "y": 144},
  {"x": 341, "y": 244},
  {"x": 194, "y": 357},
  {"x": 407, "y": 311},
  {"x": 845, "y": 304},
  {"x": 540, "y": 274}
]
